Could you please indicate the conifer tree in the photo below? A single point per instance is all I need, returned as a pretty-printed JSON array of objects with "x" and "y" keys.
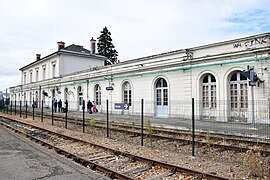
[{"x": 105, "y": 46}]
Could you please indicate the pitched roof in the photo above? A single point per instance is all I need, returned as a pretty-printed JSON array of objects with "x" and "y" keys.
[
  {"x": 77, "y": 48},
  {"x": 73, "y": 49}
]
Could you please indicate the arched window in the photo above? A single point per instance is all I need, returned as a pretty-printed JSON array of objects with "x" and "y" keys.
[
  {"x": 238, "y": 91},
  {"x": 209, "y": 92},
  {"x": 161, "y": 92},
  {"x": 97, "y": 95},
  {"x": 161, "y": 97},
  {"x": 127, "y": 93},
  {"x": 80, "y": 96}
]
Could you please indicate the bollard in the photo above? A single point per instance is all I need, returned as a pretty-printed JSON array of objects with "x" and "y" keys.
[
  {"x": 142, "y": 122},
  {"x": 42, "y": 111},
  {"x": 193, "y": 128},
  {"x": 107, "y": 107}
]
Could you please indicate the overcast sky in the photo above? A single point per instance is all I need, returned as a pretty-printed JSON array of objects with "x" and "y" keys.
[{"x": 139, "y": 28}]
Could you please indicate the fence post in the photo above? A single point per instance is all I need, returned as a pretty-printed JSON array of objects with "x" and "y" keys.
[
  {"x": 2, "y": 105},
  {"x": 193, "y": 128},
  {"x": 26, "y": 109},
  {"x": 52, "y": 112},
  {"x": 83, "y": 123},
  {"x": 142, "y": 122},
  {"x": 42, "y": 111},
  {"x": 7, "y": 105},
  {"x": 20, "y": 108},
  {"x": 107, "y": 110},
  {"x": 33, "y": 106},
  {"x": 66, "y": 114},
  {"x": 11, "y": 107},
  {"x": 15, "y": 107}
]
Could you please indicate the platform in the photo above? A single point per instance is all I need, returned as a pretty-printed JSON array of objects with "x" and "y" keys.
[{"x": 22, "y": 159}]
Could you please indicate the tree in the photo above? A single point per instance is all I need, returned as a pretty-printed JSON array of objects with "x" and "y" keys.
[{"x": 105, "y": 46}]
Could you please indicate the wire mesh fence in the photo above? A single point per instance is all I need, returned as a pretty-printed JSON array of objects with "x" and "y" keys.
[{"x": 251, "y": 119}]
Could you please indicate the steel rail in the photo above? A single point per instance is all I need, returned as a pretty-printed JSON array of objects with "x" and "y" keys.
[
  {"x": 187, "y": 141},
  {"x": 80, "y": 160},
  {"x": 173, "y": 168}
]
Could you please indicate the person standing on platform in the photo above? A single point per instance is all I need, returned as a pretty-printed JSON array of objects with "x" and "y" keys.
[
  {"x": 60, "y": 106},
  {"x": 94, "y": 107},
  {"x": 89, "y": 107},
  {"x": 55, "y": 105}
]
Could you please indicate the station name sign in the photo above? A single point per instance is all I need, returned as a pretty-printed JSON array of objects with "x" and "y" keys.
[
  {"x": 109, "y": 88},
  {"x": 252, "y": 42}
]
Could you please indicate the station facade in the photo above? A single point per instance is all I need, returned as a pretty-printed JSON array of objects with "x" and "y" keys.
[{"x": 211, "y": 74}]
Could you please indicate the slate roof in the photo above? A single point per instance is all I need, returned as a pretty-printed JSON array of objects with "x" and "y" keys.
[
  {"x": 77, "y": 48},
  {"x": 73, "y": 49}
]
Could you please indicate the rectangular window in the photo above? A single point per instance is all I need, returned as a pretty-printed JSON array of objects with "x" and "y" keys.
[
  {"x": 129, "y": 98},
  {"x": 24, "y": 78},
  {"x": 159, "y": 97},
  {"x": 80, "y": 100},
  {"x": 37, "y": 75},
  {"x": 44, "y": 73},
  {"x": 165, "y": 97},
  {"x": 234, "y": 101},
  {"x": 98, "y": 98},
  {"x": 31, "y": 77},
  {"x": 213, "y": 96},
  {"x": 53, "y": 70},
  {"x": 125, "y": 96}
]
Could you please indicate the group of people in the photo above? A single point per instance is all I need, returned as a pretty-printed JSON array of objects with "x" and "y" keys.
[
  {"x": 60, "y": 106},
  {"x": 91, "y": 107}
]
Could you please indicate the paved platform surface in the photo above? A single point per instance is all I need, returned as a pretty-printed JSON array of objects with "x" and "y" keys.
[{"x": 21, "y": 159}]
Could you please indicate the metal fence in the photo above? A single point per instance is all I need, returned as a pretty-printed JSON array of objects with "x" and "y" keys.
[{"x": 224, "y": 117}]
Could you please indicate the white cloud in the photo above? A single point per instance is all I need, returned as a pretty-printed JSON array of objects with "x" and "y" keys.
[{"x": 138, "y": 28}]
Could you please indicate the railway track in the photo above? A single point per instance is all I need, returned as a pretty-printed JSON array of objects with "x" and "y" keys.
[
  {"x": 113, "y": 163},
  {"x": 182, "y": 137}
]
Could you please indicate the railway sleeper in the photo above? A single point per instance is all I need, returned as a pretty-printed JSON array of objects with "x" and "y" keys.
[
  {"x": 136, "y": 170},
  {"x": 161, "y": 176}
]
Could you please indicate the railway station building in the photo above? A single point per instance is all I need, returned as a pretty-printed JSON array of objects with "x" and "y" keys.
[{"x": 212, "y": 74}]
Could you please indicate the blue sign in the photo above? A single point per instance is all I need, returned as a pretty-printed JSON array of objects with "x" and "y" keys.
[{"x": 123, "y": 106}]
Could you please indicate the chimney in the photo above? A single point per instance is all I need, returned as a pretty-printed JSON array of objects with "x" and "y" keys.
[
  {"x": 61, "y": 45},
  {"x": 38, "y": 57},
  {"x": 93, "y": 46}
]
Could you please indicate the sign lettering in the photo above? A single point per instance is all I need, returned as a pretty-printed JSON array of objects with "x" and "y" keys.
[
  {"x": 123, "y": 106},
  {"x": 252, "y": 42}
]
